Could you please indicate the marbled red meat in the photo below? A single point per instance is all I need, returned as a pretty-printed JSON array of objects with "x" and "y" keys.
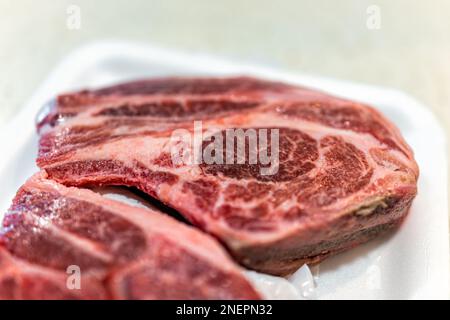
[
  {"x": 345, "y": 173},
  {"x": 122, "y": 252}
]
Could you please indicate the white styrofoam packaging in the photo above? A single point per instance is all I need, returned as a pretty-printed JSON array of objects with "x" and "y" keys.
[{"x": 409, "y": 263}]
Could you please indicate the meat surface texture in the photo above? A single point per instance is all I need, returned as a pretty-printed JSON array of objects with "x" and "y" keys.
[
  {"x": 51, "y": 232},
  {"x": 345, "y": 174}
]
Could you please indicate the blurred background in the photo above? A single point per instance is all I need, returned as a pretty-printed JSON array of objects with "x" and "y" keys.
[
  {"x": 401, "y": 44},
  {"x": 408, "y": 49}
]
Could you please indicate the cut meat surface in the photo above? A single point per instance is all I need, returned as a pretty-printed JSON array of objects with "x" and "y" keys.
[
  {"x": 120, "y": 251},
  {"x": 344, "y": 172}
]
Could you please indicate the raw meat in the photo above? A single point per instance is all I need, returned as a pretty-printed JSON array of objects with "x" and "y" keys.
[
  {"x": 345, "y": 173},
  {"x": 120, "y": 251}
]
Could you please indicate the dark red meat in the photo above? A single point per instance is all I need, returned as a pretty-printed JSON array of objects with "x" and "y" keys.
[
  {"x": 345, "y": 173},
  {"x": 122, "y": 252}
]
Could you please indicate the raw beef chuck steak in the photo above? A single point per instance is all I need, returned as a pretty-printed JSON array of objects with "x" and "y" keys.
[
  {"x": 345, "y": 173},
  {"x": 121, "y": 252}
]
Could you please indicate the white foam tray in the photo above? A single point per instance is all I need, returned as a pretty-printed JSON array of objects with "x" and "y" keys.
[{"x": 410, "y": 263}]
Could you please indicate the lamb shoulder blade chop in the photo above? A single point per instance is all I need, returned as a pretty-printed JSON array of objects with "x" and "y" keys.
[
  {"x": 345, "y": 173},
  {"x": 52, "y": 234}
]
